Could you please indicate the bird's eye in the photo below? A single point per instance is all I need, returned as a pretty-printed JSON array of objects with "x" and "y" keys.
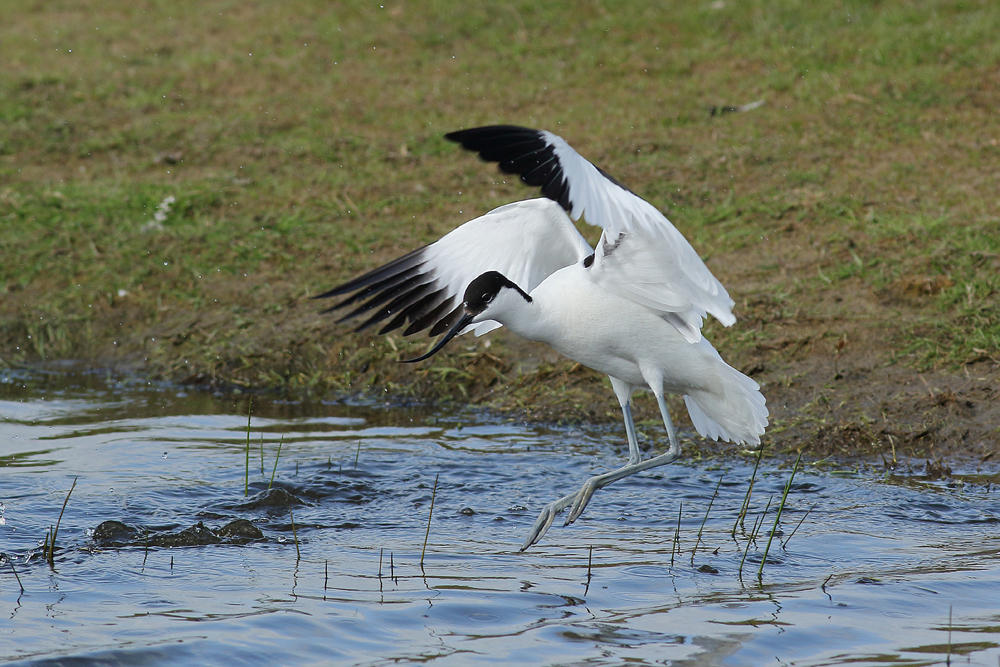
[{"x": 488, "y": 297}]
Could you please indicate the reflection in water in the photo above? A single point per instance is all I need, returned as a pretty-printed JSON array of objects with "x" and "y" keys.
[{"x": 162, "y": 558}]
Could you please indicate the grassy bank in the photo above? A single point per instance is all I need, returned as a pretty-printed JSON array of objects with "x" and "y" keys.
[{"x": 176, "y": 179}]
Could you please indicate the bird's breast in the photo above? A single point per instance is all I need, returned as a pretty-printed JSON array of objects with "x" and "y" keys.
[{"x": 596, "y": 328}]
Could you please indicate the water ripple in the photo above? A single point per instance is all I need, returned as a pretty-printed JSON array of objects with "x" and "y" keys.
[{"x": 177, "y": 549}]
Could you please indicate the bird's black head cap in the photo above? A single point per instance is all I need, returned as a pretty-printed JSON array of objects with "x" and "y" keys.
[
  {"x": 478, "y": 296},
  {"x": 481, "y": 291}
]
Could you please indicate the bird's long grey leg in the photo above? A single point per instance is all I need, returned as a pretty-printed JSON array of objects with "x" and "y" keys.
[
  {"x": 584, "y": 495},
  {"x": 623, "y": 391},
  {"x": 675, "y": 445},
  {"x": 633, "y": 443}
]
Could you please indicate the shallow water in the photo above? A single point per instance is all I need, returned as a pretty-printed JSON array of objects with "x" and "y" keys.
[{"x": 866, "y": 568}]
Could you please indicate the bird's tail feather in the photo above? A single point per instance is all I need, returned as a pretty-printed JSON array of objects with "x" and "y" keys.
[{"x": 737, "y": 414}]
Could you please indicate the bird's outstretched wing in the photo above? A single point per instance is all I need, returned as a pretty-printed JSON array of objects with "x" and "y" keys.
[
  {"x": 641, "y": 255},
  {"x": 526, "y": 241}
]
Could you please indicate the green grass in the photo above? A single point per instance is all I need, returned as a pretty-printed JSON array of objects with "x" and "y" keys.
[{"x": 302, "y": 143}]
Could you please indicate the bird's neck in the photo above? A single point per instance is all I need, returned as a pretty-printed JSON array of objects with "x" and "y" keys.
[{"x": 529, "y": 321}]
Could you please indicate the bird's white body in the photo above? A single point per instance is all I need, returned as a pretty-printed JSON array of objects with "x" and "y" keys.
[
  {"x": 632, "y": 308},
  {"x": 602, "y": 331},
  {"x": 632, "y": 344}
]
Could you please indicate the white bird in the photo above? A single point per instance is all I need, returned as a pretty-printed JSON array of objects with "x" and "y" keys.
[{"x": 633, "y": 308}]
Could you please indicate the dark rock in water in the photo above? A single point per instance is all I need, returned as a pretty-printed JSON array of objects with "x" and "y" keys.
[
  {"x": 197, "y": 534},
  {"x": 115, "y": 534},
  {"x": 276, "y": 497},
  {"x": 118, "y": 534},
  {"x": 240, "y": 531}
]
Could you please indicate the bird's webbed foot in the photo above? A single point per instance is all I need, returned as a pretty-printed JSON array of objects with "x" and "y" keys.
[
  {"x": 582, "y": 498},
  {"x": 546, "y": 517}
]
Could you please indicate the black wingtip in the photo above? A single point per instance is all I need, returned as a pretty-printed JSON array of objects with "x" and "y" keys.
[
  {"x": 480, "y": 138},
  {"x": 382, "y": 274},
  {"x": 403, "y": 290},
  {"x": 522, "y": 151},
  {"x": 526, "y": 152}
]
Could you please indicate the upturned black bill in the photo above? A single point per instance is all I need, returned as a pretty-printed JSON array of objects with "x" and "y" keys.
[{"x": 461, "y": 324}]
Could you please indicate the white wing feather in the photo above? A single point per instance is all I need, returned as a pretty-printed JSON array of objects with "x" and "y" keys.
[
  {"x": 526, "y": 241},
  {"x": 653, "y": 264}
]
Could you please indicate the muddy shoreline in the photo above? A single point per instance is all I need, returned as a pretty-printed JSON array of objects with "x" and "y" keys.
[{"x": 851, "y": 407}]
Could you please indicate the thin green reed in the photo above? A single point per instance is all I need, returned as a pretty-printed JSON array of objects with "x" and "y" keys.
[
  {"x": 277, "y": 456},
  {"x": 777, "y": 517},
  {"x": 246, "y": 479},
  {"x": 702, "y": 529},
  {"x": 746, "y": 500}
]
